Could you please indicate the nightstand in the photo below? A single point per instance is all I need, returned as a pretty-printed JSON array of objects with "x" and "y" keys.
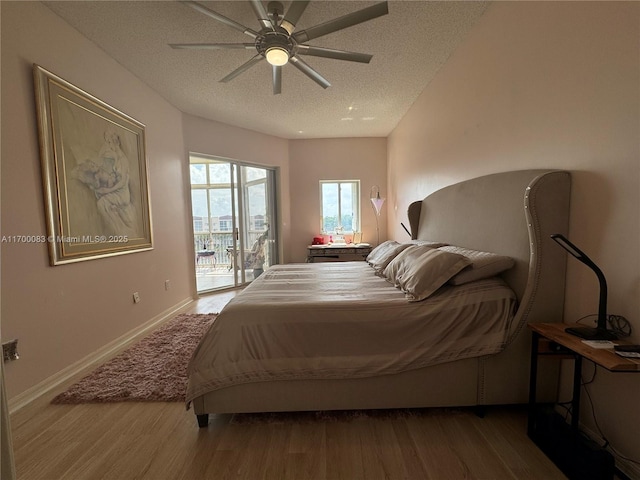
[
  {"x": 340, "y": 253},
  {"x": 576, "y": 456}
]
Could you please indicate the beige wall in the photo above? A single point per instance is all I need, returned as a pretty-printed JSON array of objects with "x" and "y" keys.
[
  {"x": 61, "y": 314},
  {"x": 553, "y": 85},
  {"x": 313, "y": 160}
]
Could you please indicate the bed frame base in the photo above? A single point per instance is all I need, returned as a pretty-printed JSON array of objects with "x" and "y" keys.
[{"x": 203, "y": 420}]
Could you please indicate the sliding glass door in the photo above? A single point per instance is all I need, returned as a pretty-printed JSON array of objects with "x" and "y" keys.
[{"x": 234, "y": 222}]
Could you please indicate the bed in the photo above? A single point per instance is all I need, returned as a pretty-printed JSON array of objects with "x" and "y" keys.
[{"x": 340, "y": 336}]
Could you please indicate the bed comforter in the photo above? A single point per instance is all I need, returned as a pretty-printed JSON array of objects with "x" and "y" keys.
[{"x": 340, "y": 320}]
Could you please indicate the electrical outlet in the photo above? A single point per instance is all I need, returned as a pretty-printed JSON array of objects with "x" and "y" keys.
[
  {"x": 10, "y": 350},
  {"x": 167, "y": 284},
  {"x": 136, "y": 297}
]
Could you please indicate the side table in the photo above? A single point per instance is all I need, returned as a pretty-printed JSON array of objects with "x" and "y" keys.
[{"x": 566, "y": 447}]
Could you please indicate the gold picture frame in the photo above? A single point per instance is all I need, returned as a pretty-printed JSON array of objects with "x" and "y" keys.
[{"x": 94, "y": 170}]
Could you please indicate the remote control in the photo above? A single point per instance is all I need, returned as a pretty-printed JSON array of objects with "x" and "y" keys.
[{"x": 627, "y": 348}]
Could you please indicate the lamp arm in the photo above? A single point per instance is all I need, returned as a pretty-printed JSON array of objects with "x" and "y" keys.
[
  {"x": 582, "y": 257},
  {"x": 600, "y": 332},
  {"x": 602, "y": 304}
]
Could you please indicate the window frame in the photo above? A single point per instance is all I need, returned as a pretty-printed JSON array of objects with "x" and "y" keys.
[{"x": 356, "y": 214}]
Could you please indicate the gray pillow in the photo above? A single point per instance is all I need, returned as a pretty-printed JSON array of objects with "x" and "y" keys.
[
  {"x": 380, "y": 256},
  {"x": 420, "y": 270},
  {"x": 428, "y": 243},
  {"x": 482, "y": 264}
]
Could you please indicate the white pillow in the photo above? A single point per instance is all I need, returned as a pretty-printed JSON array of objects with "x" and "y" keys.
[
  {"x": 381, "y": 250},
  {"x": 483, "y": 264},
  {"x": 380, "y": 256},
  {"x": 420, "y": 270}
]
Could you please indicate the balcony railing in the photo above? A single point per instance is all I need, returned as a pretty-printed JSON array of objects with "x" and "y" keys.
[{"x": 220, "y": 246}]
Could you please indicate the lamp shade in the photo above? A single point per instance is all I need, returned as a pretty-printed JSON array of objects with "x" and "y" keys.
[
  {"x": 377, "y": 203},
  {"x": 376, "y": 199}
]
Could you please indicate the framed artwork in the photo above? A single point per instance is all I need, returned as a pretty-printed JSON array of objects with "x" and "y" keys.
[{"x": 94, "y": 170}]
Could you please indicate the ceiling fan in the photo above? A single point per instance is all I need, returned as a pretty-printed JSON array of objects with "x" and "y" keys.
[{"x": 278, "y": 44}]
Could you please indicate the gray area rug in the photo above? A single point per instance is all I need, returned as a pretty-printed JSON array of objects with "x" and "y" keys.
[{"x": 152, "y": 370}]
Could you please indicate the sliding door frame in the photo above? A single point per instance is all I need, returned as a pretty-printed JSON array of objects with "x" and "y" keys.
[{"x": 239, "y": 209}]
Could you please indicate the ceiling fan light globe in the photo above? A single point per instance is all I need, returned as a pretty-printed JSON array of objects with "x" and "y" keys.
[{"x": 277, "y": 56}]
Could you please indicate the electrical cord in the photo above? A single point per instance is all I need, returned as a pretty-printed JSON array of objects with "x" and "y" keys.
[
  {"x": 569, "y": 412},
  {"x": 616, "y": 323},
  {"x": 568, "y": 404},
  {"x": 606, "y": 443},
  {"x": 592, "y": 407},
  {"x": 619, "y": 325}
]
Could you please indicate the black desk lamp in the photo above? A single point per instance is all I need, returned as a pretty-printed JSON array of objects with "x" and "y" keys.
[{"x": 600, "y": 332}]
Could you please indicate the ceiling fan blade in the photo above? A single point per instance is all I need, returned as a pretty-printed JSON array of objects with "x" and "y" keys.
[
  {"x": 221, "y": 18},
  {"x": 242, "y": 68},
  {"x": 309, "y": 72},
  {"x": 261, "y": 13},
  {"x": 349, "y": 20},
  {"x": 277, "y": 80},
  {"x": 331, "y": 53},
  {"x": 292, "y": 16},
  {"x": 213, "y": 46}
]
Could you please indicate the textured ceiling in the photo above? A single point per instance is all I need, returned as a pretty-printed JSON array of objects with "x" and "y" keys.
[{"x": 408, "y": 45}]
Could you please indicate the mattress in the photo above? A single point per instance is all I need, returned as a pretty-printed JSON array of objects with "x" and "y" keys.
[{"x": 340, "y": 321}]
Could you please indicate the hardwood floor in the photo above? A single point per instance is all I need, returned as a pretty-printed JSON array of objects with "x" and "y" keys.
[
  {"x": 214, "y": 302},
  {"x": 158, "y": 441}
]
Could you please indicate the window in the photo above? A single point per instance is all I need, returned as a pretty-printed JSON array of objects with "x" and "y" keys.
[
  {"x": 340, "y": 206},
  {"x": 225, "y": 225},
  {"x": 258, "y": 222}
]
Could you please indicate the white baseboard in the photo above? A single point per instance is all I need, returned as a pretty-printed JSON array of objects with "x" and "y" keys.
[
  {"x": 629, "y": 469},
  {"x": 97, "y": 357}
]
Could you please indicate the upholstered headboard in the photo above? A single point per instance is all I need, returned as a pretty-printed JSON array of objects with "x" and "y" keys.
[{"x": 514, "y": 214}]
